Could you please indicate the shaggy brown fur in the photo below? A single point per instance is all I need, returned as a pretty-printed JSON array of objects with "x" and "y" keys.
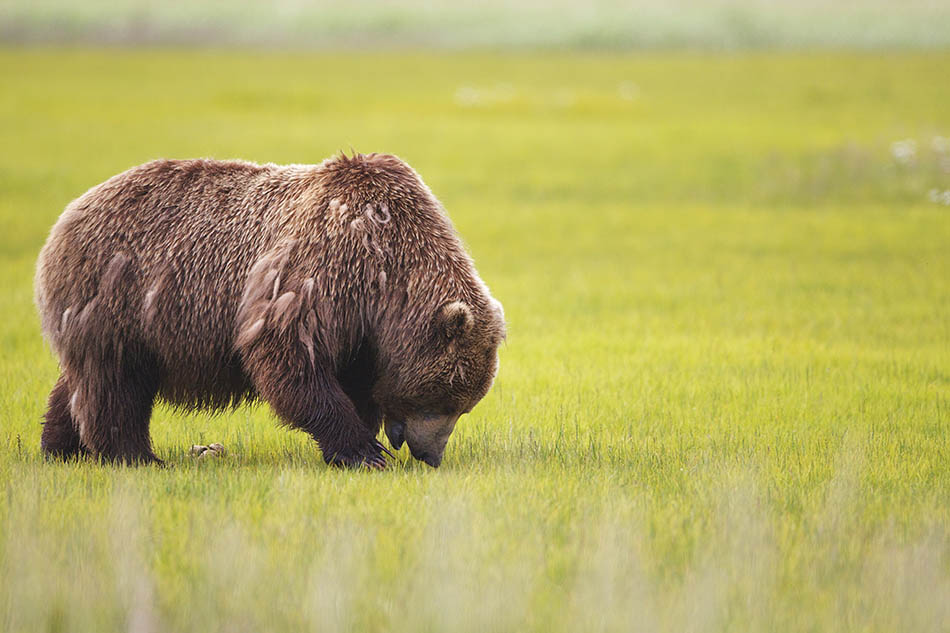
[{"x": 339, "y": 293}]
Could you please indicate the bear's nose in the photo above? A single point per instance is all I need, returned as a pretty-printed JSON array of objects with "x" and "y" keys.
[{"x": 430, "y": 457}]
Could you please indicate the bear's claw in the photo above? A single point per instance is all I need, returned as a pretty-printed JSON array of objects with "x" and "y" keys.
[
  {"x": 381, "y": 447},
  {"x": 369, "y": 457}
]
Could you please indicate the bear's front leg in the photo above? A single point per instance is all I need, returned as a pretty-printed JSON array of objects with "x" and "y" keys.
[{"x": 306, "y": 395}]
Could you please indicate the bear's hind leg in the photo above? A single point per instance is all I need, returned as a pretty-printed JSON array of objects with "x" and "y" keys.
[
  {"x": 60, "y": 435},
  {"x": 115, "y": 405}
]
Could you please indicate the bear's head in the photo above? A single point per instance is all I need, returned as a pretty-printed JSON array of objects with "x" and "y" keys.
[{"x": 442, "y": 374}]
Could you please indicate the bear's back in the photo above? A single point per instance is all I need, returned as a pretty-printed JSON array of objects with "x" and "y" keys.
[{"x": 162, "y": 251}]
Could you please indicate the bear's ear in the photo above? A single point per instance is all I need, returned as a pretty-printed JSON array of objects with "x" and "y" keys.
[
  {"x": 499, "y": 312},
  {"x": 455, "y": 319}
]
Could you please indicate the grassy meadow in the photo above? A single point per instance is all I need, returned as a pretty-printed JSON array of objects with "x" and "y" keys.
[{"x": 724, "y": 403}]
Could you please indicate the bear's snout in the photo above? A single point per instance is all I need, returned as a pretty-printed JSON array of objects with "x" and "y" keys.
[
  {"x": 431, "y": 460},
  {"x": 427, "y": 436}
]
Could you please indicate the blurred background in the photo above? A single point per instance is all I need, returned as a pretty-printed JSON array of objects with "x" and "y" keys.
[{"x": 599, "y": 24}]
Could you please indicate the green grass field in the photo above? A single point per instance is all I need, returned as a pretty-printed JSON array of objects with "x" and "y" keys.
[{"x": 724, "y": 403}]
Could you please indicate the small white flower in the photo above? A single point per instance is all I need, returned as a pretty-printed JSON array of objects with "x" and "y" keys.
[
  {"x": 470, "y": 96},
  {"x": 940, "y": 197},
  {"x": 904, "y": 152},
  {"x": 467, "y": 96},
  {"x": 628, "y": 91}
]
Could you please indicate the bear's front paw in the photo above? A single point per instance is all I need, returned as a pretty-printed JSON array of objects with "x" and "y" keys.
[{"x": 369, "y": 456}]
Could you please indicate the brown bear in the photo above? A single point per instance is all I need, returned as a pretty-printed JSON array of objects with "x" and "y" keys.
[{"x": 339, "y": 293}]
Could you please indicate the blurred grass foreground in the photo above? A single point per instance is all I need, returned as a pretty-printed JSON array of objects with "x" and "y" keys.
[{"x": 724, "y": 403}]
